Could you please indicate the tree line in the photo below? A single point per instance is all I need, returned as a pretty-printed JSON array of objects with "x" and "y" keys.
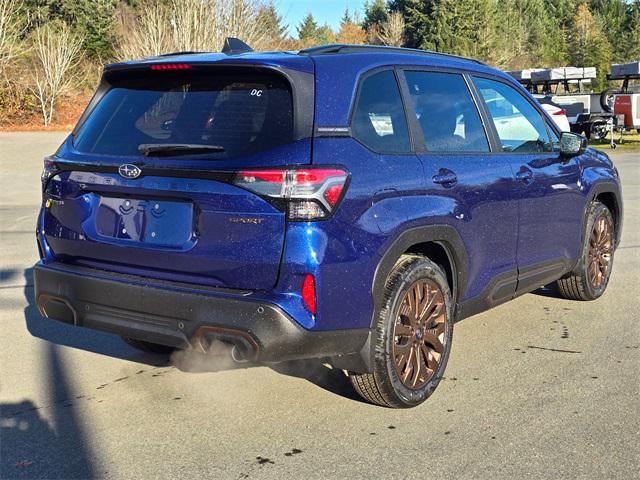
[
  {"x": 515, "y": 34},
  {"x": 53, "y": 48}
]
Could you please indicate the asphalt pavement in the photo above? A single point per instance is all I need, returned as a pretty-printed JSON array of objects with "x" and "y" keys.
[{"x": 537, "y": 388}]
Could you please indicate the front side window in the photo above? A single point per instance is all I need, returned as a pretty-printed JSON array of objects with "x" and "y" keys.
[
  {"x": 379, "y": 121},
  {"x": 446, "y": 112},
  {"x": 520, "y": 126}
]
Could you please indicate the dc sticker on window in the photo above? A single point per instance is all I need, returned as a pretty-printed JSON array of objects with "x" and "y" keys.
[{"x": 256, "y": 93}]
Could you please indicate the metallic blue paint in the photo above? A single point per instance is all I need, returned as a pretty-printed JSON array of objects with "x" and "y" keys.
[{"x": 505, "y": 223}]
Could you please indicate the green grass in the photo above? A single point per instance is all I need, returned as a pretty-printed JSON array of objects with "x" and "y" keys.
[{"x": 630, "y": 141}]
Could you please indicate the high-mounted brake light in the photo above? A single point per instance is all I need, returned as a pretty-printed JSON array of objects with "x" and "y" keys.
[
  {"x": 170, "y": 66},
  {"x": 311, "y": 193}
]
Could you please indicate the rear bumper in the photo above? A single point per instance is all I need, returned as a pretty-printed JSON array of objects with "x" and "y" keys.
[{"x": 183, "y": 316}]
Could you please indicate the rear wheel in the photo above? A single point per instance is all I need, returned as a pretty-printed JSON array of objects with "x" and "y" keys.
[
  {"x": 413, "y": 336},
  {"x": 590, "y": 278},
  {"x": 149, "y": 347}
]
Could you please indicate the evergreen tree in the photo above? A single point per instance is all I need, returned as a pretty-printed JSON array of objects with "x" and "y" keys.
[
  {"x": 346, "y": 17},
  {"x": 273, "y": 24},
  {"x": 545, "y": 43},
  {"x": 512, "y": 32},
  {"x": 93, "y": 20},
  {"x": 308, "y": 29},
  {"x": 421, "y": 30},
  {"x": 612, "y": 14},
  {"x": 325, "y": 35},
  {"x": 375, "y": 14},
  {"x": 588, "y": 45},
  {"x": 631, "y": 37}
]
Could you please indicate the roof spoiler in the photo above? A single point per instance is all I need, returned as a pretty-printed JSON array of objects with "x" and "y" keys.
[{"x": 235, "y": 46}]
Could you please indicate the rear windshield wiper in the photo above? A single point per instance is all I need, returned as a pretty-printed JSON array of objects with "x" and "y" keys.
[{"x": 169, "y": 149}]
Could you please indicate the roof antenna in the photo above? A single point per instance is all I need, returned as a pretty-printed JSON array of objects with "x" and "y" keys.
[{"x": 234, "y": 46}]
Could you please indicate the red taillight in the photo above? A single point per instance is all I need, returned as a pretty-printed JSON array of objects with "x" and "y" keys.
[
  {"x": 311, "y": 193},
  {"x": 561, "y": 112},
  {"x": 309, "y": 293},
  {"x": 332, "y": 194},
  {"x": 49, "y": 169},
  {"x": 170, "y": 66}
]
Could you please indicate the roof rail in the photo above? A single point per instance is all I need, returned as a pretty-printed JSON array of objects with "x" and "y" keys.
[
  {"x": 348, "y": 48},
  {"x": 173, "y": 54}
]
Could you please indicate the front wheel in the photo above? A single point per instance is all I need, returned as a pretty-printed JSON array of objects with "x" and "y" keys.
[
  {"x": 590, "y": 278},
  {"x": 413, "y": 336}
]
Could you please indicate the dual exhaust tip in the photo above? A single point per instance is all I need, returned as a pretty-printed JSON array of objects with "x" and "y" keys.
[{"x": 243, "y": 347}]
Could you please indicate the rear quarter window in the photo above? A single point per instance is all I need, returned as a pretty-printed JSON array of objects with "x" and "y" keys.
[
  {"x": 243, "y": 113},
  {"x": 379, "y": 120}
]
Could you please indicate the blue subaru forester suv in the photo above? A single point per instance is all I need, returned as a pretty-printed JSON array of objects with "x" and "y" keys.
[{"x": 343, "y": 202}]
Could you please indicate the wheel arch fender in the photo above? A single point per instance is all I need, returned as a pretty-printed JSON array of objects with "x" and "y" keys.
[
  {"x": 611, "y": 191},
  {"x": 444, "y": 235}
]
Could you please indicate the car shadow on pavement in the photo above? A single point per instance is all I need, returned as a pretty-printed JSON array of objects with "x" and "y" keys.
[
  {"x": 320, "y": 374},
  {"x": 30, "y": 446},
  {"x": 58, "y": 333},
  {"x": 81, "y": 338},
  {"x": 550, "y": 291}
]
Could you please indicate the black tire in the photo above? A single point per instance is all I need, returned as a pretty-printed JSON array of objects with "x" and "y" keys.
[
  {"x": 604, "y": 99},
  {"x": 149, "y": 347},
  {"x": 384, "y": 386},
  {"x": 598, "y": 131},
  {"x": 580, "y": 284}
]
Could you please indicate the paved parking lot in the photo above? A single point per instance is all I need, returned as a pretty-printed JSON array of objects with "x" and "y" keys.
[{"x": 539, "y": 387}]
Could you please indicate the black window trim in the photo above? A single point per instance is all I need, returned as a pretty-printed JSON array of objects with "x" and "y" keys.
[
  {"x": 356, "y": 98},
  {"x": 537, "y": 108},
  {"x": 301, "y": 84},
  {"x": 415, "y": 125}
]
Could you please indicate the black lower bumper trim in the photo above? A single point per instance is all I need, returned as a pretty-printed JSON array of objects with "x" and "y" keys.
[{"x": 155, "y": 313}]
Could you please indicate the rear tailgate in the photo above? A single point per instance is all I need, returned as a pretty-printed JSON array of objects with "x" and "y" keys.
[{"x": 176, "y": 217}]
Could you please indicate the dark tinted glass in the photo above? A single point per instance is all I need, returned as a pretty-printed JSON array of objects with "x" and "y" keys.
[
  {"x": 243, "y": 114},
  {"x": 379, "y": 121},
  {"x": 446, "y": 112},
  {"x": 519, "y": 125}
]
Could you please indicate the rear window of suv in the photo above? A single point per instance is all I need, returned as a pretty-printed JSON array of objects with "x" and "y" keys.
[{"x": 242, "y": 113}]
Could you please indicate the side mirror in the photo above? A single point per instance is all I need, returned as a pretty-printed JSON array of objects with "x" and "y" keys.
[{"x": 572, "y": 144}]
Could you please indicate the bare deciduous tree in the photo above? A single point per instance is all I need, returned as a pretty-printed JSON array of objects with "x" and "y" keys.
[
  {"x": 146, "y": 35},
  {"x": 57, "y": 52},
  {"x": 10, "y": 31},
  {"x": 193, "y": 25},
  {"x": 392, "y": 31}
]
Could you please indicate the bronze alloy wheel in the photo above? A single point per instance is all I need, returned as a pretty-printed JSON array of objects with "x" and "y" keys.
[
  {"x": 420, "y": 333},
  {"x": 600, "y": 251}
]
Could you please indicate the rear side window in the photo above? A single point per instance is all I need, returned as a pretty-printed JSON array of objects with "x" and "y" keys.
[
  {"x": 520, "y": 126},
  {"x": 446, "y": 112},
  {"x": 379, "y": 121},
  {"x": 241, "y": 113}
]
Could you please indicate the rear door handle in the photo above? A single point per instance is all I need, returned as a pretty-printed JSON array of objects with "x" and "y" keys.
[
  {"x": 525, "y": 175},
  {"x": 445, "y": 177}
]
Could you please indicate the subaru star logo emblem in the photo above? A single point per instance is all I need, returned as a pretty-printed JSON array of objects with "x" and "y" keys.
[{"x": 129, "y": 171}]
